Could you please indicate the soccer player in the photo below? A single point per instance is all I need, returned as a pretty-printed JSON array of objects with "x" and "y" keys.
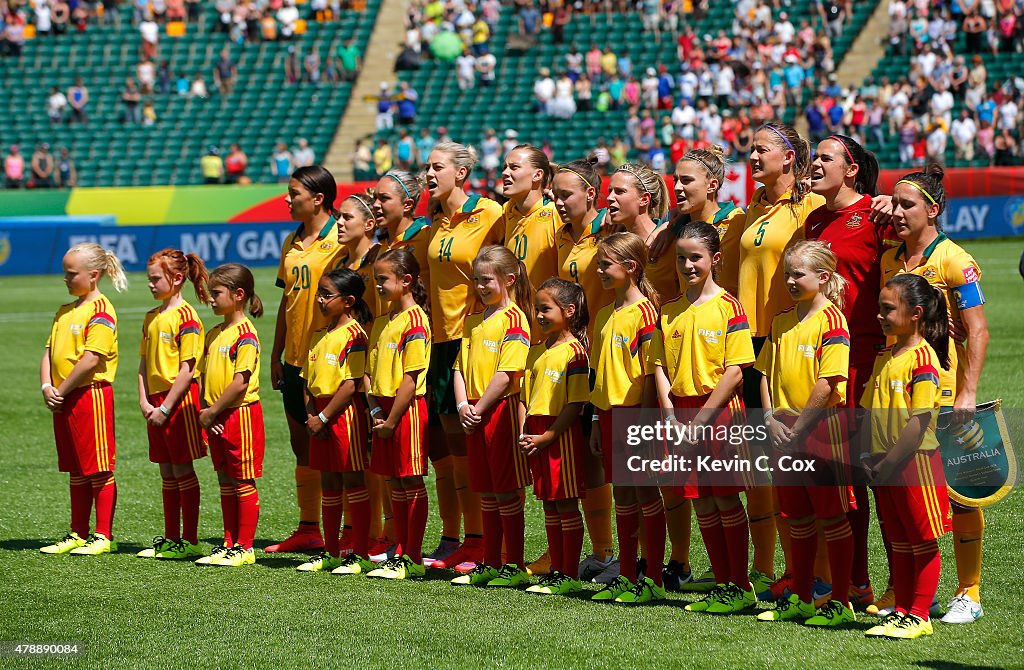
[
  {"x": 699, "y": 350},
  {"x": 906, "y": 470},
  {"x": 305, "y": 256},
  {"x": 460, "y": 225},
  {"x": 619, "y": 357},
  {"x": 172, "y": 344},
  {"x": 555, "y": 388},
  {"x": 918, "y": 199},
  {"x": 336, "y": 417},
  {"x": 76, "y": 373},
  {"x": 488, "y": 376},
  {"x": 232, "y": 414},
  {"x": 399, "y": 356}
]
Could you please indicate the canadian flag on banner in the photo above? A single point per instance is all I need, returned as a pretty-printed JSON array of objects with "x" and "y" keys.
[{"x": 738, "y": 185}]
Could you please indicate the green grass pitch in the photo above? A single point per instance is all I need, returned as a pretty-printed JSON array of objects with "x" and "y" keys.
[{"x": 130, "y": 612}]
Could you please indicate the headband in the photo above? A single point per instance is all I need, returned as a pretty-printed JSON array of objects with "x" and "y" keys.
[
  {"x": 633, "y": 171},
  {"x": 585, "y": 180},
  {"x": 919, "y": 188},
  {"x": 845, "y": 148},
  {"x": 779, "y": 133},
  {"x": 689, "y": 156},
  {"x": 365, "y": 206},
  {"x": 407, "y": 194}
]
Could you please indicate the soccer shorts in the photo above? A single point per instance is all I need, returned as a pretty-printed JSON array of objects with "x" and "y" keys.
[
  {"x": 827, "y": 492},
  {"x": 84, "y": 430},
  {"x": 916, "y": 508},
  {"x": 612, "y": 442},
  {"x": 404, "y": 454},
  {"x": 439, "y": 376},
  {"x": 496, "y": 463},
  {"x": 293, "y": 389},
  {"x": 180, "y": 440},
  {"x": 238, "y": 451},
  {"x": 558, "y": 472},
  {"x": 341, "y": 447},
  {"x": 704, "y": 485}
]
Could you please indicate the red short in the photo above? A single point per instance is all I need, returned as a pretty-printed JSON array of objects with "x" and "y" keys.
[
  {"x": 697, "y": 484},
  {"x": 558, "y": 472},
  {"x": 342, "y": 448},
  {"x": 84, "y": 430},
  {"x": 404, "y": 454},
  {"x": 180, "y": 440},
  {"x": 496, "y": 463},
  {"x": 826, "y": 442},
  {"x": 238, "y": 451},
  {"x": 916, "y": 513},
  {"x": 609, "y": 437}
]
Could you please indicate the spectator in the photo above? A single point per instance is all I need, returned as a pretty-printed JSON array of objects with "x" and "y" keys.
[
  {"x": 543, "y": 91},
  {"x": 42, "y": 167},
  {"x": 67, "y": 175},
  {"x": 481, "y": 34},
  {"x": 625, "y": 65},
  {"x": 424, "y": 144},
  {"x": 43, "y": 17},
  {"x": 182, "y": 85},
  {"x": 382, "y": 158},
  {"x": 490, "y": 151},
  {"x": 78, "y": 99},
  {"x": 563, "y": 106},
  {"x": 405, "y": 150},
  {"x": 559, "y": 20},
  {"x": 609, "y": 63},
  {"x": 164, "y": 76},
  {"x": 362, "y": 161},
  {"x": 150, "y": 33},
  {"x": 908, "y": 138},
  {"x": 1005, "y": 149},
  {"x": 281, "y": 163},
  {"x": 486, "y": 67},
  {"x": 815, "y": 121},
  {"x": 14, "y": 37},
  {"x": 974, "y": 27},
  {"x": 303, "y": 155},
  {"x": 986, "y": 141},
  {"x": 593, "y": 60},
  {"x": 385, "y": 108},
  {"x": 465, "y": 70},
  {"x": 56, "y": 105},
  {"x": 407, "y": 99},
  {"x": 176, "y": 10},
  {"x": 964, "y": 132},
  {"x": 511, "y": 141},
  {"x": 145, "y": 72},
  {"x": 61, "y": 17},
  {"x": 529, "y": 20},
  {"x": 584, "y": 93},
  {"x": 131, "y": 100},
  {"x": 331, "y": 73},
  {"x": 350, "y": 59},
  {"x": 198, "y": 88},
  {"x": 311, "y": 65},
  {"x": 225, "y": 73},
  {"x": 287, "y": 17},
  {"x": 211, "y": 167},
  {"x": 14, "y": 168},
  {"x": 148, "y": 113},
  {"x": 235, "y": 165},
  {"x": 936, "y": 142},
  {"x": 292, "y": 69}
]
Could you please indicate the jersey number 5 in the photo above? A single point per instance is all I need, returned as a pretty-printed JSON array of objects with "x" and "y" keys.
[{"x": 759, "y": 235}]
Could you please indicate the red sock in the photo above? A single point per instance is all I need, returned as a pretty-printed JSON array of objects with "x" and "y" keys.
[
  {"x": 248, "y": 513},
  {"x": 400, "y": 514},
  {"x": 331, "y": 505},
  {"x": 572, "y": 542},
  {"x": 81, "y": 505},
  {"x": 188, "y": 495},
  {"x": 654, "y": 537},
  {"x": 357, "y": 513},
  {"x": 903, "y": 576},
  {"x": 417, "y": 524},
  {"x": 927, "y": 566},
  {"x": 513, "y": 527},
  {"x": 841, "y": 550},
  {"x": 627, "y": 524},
  {"x": 104, "y": 493},
  {"x": 553, "y": 529},
  {"x": 713, "y": 533},
  {"x": 172, "y": 508},
  {"x": 491, "y": 517},
  {"x": 229, "y": 510},
  {"x": 804, "y": 542},
  {"x": 860, "y": 521},
  {"x": 736, "y": 532}
]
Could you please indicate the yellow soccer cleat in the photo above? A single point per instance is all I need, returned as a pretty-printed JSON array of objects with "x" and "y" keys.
[
  {"x": 885, "y": 625},
  {"x": 159, "y": 544},
  {"x": 322, "y": 562},
  {"x": 910, "y": 627},
  {"x": 97, "y": 544},
  {"x": 236, "y": 557},
  {"x": 64, "y": 545},
  {"x": 215, "y": 555}
]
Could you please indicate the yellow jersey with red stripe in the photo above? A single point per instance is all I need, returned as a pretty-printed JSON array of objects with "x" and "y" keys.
[
  {"x": 364, "y": 268},
  {"x": 77, "y": 328},
  {"x": 454, "y": 243},
  {"x": 231, "y": 350},
  {"x": 620, "y": 354},
  {"x": 577, "y": 262},
  {"x": 499, "y": 342},
  {"x": 299, "y": 274},
  {"x": 901, "y": 387},
  {"x": 416, "y": 238},
  {"x": 753, "y": 272},
  {"x": 335, "y": 356},
  {"x": 555, "y": 377},
  {"x": 169, "y": 338},
  {"x": 399, "y": 344},
  {"x": 696, "y": 343},
  {"x": 799, "y": 353},
  {"x": 948, "y": 267}
]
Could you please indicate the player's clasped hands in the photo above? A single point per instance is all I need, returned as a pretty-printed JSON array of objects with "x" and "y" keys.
[
  {"x": 208, "y": 420},
  {"x": 54, "y": 400},
  {"x": 779, "y": 433},
  {"x": 531, "y": 444},
  {"x": 314, "y": 425},
  {"x": 468, "y": 418}
]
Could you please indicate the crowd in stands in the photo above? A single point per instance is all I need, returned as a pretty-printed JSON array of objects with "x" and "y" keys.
[
  {"x": 233, "y": 167},
  {"x": 42, "y": 169}
]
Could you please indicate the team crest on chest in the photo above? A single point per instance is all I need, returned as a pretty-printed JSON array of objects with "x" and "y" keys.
[
  {"x": 807, "y": 350},
  {"x": 929, "y": 273},
  {"x": 854, "y": 221},
  {"x": 326, "y": 245},
  {"x": 76, "y": 329}
]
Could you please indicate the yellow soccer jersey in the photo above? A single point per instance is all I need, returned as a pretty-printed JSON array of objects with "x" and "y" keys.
[
  {"x": 577, "y": 262},
  {"x": 170, "y": 338},
  {"x": 364, "y": 268},
  {"x": 91, "y": 326},
  {"x": 230, "y": 350},
  {"x": 453, "y": 246},
  {"x": 498, "y": 343},
  {"x": 298, "y": 274},
  {"x": 399, "y": 344},
  {"x": 556, "y": 377},
  {"x": 901, "y": 387},
  {"x": 947, "y": 266},
  {"x": 416, "y": 238},
  {"x": 662, "y": 273},
  {"x": 335, "y": 356},
  {"x": 727, "y": 214},
  {"x": 532, "y": 238},
  {"x": 754, "y": 273},
  {"x": 799, "y": 353},
  {"x": 620, "y": 354},
  {"x": 696, "y": 344}
]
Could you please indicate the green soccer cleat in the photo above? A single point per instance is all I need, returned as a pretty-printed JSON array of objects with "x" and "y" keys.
[
  {"x": 834, "y": 613},
  {"x": 322, "y": 562},
  {"x": 910, "y": 627},
  {"x": 645, "y": 591},
  {"x": 704, "y": 603},
  {"x": 510, "y": 576},
  {"x": 705, "y": 583},
  {"x": 183, "y": 550},
  {"x": 563, "y": 587},
  {"x": 546, "y": 581},
  {"x": 353, "y": 564},
  {"x": 789, "y": 608},
  {"x": 68, "y": 543},
  {"x": 760, "y": 581},
  {"x": 159, "y": 544},
  {"x": 732, "y": 600},
  {"x": 616, "y": 588},
  {"x": 94, "y": 546},
  {"x": 481, "y": 575},
  {"x": 405, "y": 568},
  {"x": 236, "y": 557},
  {"x": 384, "y": 568},
  {"x": 216, "y": 554}
]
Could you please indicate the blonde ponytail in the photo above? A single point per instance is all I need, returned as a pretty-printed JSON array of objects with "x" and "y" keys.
[
  {"x": 816, "y": 256},
  {"x": 104, "y": 261}
]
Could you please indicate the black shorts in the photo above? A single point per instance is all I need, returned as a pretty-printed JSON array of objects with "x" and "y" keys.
[
  {"x": 293, "y": 390},
  {"x": 439, "y": 377}
]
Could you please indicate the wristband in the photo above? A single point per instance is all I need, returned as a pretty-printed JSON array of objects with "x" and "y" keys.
[
  {"x": 323, "y": 419},
  {"x": 458, "y": 408},
  {"x": 164, "y": 410},
  {"x": 768, "y": 414},
  {"x": 45, "y": 386},
  {"x": 375, "y": 411}
]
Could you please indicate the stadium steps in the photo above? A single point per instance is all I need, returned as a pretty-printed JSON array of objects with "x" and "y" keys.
[{"x": 863, "y": 55}]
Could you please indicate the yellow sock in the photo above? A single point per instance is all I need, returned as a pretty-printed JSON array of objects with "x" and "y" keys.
[
  {"x": 447, "y": 499},
  {"x": 761, "y": 511},
  {"x": 968, "y": 532},
  {"x": 677, "y": 518},
  {"x": 597, "y": 512},
  {"x": 307, "y": 490},
  {"x": 468, "y": 501}
]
